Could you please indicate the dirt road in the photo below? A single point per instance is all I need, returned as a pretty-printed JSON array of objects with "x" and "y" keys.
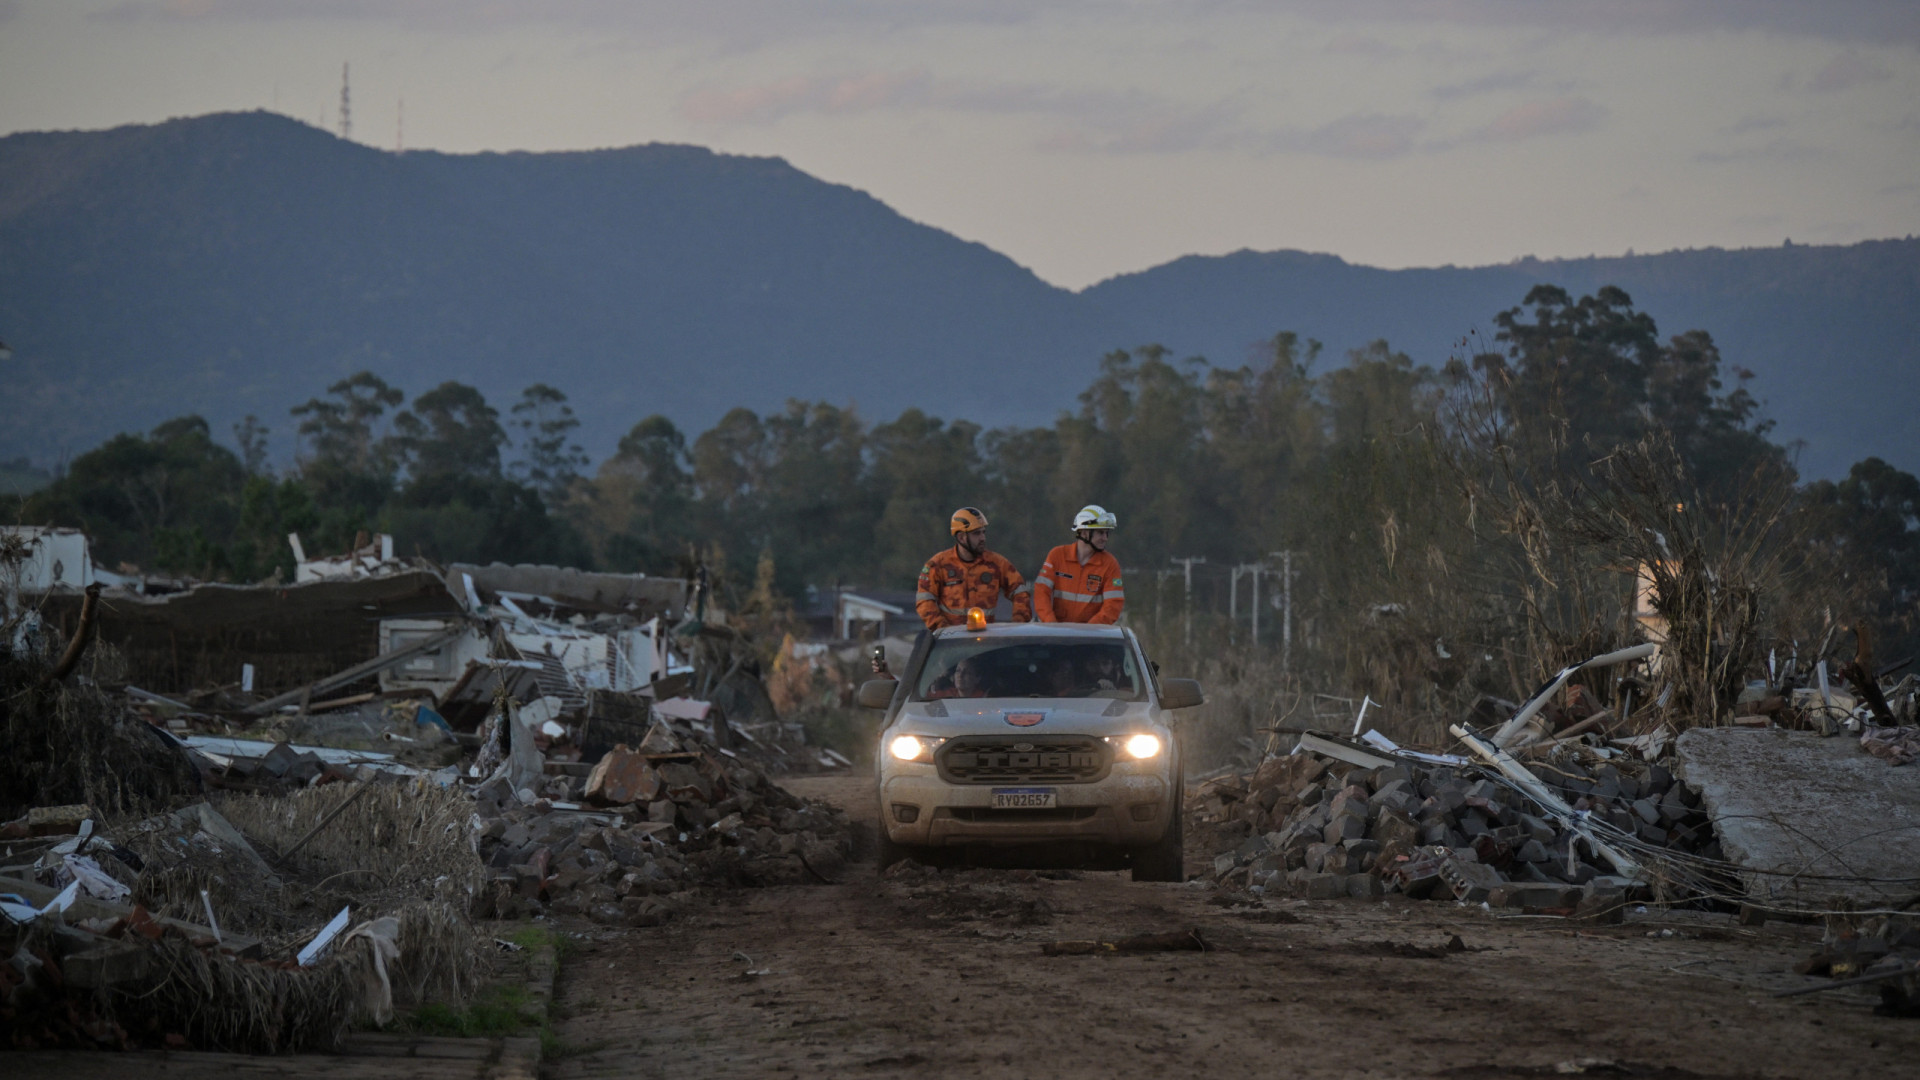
[{"x": 941, "y": 975}]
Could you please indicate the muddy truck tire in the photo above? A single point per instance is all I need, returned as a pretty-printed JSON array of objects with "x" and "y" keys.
[{"x": 1166, "y": 860}]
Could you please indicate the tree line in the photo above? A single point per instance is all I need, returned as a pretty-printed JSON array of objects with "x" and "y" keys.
[{"x": 1367, "y": 470}]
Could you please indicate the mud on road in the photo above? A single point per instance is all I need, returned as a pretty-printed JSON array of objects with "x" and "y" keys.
[{"x": 940, "y": 974}]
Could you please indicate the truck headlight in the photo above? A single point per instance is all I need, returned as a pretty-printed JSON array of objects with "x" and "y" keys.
[
  {"x": 1141, "y": 746},
  {"x": 912, "y": 747}
]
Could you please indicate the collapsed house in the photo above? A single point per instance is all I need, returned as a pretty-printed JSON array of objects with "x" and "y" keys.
[{"x": 255, "y": 815}]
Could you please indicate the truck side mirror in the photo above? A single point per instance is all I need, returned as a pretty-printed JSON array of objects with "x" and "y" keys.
[
  {"x": 877, "y": 693},
  {"x": 1180, "y": 693}
]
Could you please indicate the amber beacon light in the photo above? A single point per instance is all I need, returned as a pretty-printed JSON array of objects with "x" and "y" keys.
[{"x": 976, "y": 618}]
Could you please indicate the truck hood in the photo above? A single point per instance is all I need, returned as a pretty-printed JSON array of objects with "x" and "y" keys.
[{"x": 1062, "y": 716}]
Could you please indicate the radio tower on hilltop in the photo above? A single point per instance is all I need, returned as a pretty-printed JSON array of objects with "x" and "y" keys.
[{"x": 346, "y": 106}]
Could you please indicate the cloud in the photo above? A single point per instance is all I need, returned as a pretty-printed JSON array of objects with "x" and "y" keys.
[
  {"x": 1362, "y": 45},
  {"x": 1781, "y": 149},
  {"x": 1361, "y": 135},
  {"x": 731, "y": 23},
  {"x": 1878, "y": 22},
  {"x": 745, "y": 24},
  {"x": 1561, "y": 116},
  {"x": 1085, "y": 121},
  {"x": 1486, "y": 84},
  {"x": 1846, "y": 71},
  {"x": 767, "y": 102},
  {"x": 1747, "y": 124}
]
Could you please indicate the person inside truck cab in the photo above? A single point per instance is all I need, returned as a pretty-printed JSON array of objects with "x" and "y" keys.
[
  {"x": 1103, "y": 673},
  {"x": 968, "y": 679}
]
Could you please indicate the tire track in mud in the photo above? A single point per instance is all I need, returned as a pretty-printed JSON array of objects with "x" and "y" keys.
[{"x": 929, "y": 975}]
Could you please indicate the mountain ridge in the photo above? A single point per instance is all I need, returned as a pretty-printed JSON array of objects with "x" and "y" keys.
[{"x": 239, "y": 262}]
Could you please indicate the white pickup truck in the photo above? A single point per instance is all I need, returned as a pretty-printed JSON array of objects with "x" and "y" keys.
[{"x": 1047, "y": 743}]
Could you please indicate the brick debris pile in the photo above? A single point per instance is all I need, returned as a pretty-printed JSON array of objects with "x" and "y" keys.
[
  {"x": 631, "y": 840},
  {"x": 1310, "y": 826}
]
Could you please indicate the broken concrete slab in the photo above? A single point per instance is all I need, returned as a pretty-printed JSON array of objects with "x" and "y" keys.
[{"x": 1811, "y": 821}]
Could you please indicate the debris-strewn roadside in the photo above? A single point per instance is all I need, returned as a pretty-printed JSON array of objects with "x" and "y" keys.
[
  {"x": 1314, "y": 826},
  {"x": 629, "y": 840},
  {"x": 235, "y": 869},
  {"x": 1550, "y": 815}
]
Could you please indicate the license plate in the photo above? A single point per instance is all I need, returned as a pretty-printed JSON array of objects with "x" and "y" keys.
[{"x": 1023, "y": 798}]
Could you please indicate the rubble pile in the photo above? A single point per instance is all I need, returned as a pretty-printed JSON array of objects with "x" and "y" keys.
[
  {"x": 1881, "y": 950},
  {"x": 1314, "y": 826},
  {"x": 630, "y": 841},
  {"x": 187, "y": 929}
]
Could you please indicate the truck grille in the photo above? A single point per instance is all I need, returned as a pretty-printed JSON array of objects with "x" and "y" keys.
[
  {"x": 989, "y": 814},
  {"x": 1004, "y": 759}
]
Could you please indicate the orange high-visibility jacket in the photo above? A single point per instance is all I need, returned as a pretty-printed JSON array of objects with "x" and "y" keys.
[
  {"x": 949, "y": 586},
  {"x": 1066, "y": 591}
]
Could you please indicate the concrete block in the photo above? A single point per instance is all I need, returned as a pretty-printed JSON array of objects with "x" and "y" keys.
[
  {"x": 1395, "y": 829},
  {"x": 1325, "y": 886},
  {"x": 1338, "y": 860},
  {"x": 1647, "y": 810},
  {"x": 1516, "y": 894},
  {"x": 1470, "y": 880},
  {"x": 1383, "y": 779},
  {"x": 1349, "y": 800},
  {"x": 1345, "y": 827},
  {"x": 622, "y": 776},
  {"x": 1364, "y": 886},
  {"x": 1538, "y": 828},
  {"x": 1601, "y": 906},
  {"x": 1659, "y": 781}
]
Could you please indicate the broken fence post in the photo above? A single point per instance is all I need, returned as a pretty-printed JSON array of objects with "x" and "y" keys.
[{"x": 358, "y": 791}]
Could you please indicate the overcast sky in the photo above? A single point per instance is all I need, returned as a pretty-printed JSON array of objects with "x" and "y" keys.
[{"x": 1086, "y": 138}]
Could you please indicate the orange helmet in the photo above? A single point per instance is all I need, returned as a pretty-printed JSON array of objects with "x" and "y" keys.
[{"x": 966, "y": 519}]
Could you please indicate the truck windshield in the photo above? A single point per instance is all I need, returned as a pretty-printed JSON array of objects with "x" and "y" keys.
[{"x": 981, "y": 667}]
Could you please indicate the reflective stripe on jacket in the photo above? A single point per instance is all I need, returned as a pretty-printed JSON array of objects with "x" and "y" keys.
[
  {"x": 1066, "y": 591},
  {"x": 949, "y": 586}
]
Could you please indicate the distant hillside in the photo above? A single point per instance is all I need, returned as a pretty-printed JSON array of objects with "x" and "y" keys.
[
  {"x": 238, "y": 263},
  {"x": 1832, "y": 334}
]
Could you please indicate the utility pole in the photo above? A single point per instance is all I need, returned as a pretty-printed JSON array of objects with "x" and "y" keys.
[
  {"x": 346, "y": 107},
  {"x": 1186, "y": 627},
  {"x": 1253, "y": 570},
  {"x": 1257, "y": 569},
  {"x": 1286, "y": 608},
  {"x": 1159, "y": 594}
]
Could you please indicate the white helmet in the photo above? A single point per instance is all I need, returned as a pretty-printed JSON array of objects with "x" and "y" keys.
[{"x": 1094, "y": 517}]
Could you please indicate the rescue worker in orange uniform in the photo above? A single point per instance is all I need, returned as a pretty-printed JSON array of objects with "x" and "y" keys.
[
  {"x": 1080, "y": 582},
  {"x": 967, "y": 575}
]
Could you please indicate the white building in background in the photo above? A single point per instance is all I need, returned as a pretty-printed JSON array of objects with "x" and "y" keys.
[{"x": 58, "y": 557}]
